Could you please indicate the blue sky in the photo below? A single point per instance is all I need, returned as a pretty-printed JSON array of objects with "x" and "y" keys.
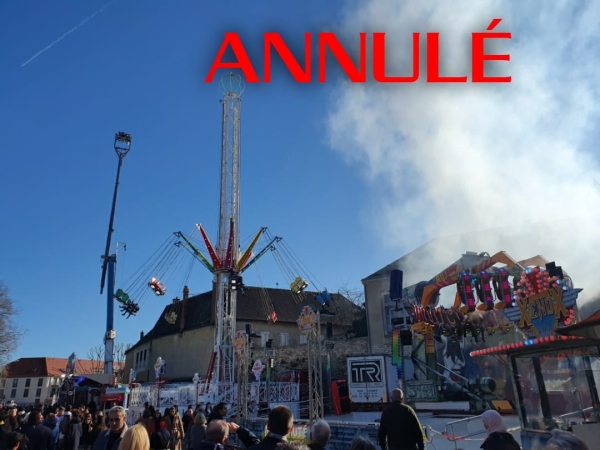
[
  {"x": 352, "y": 176},
  {"x": 139, "y": 67}
]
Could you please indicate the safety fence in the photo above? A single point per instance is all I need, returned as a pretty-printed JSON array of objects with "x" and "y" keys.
[
  {"x": 182, "y": 395},
  {"x": 343, "y": 433}
]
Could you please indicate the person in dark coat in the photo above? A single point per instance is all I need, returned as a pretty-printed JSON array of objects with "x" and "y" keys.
[
  {"x": 280, "y": 423},
  {"x": 5, "y": 430},
  {"x": 197, "y": 431},
  {"x": 40, "y": 437},
  {"x": 16, "y": 441},
  {"x": 89, "y": 432},
  {"x": 111, "y": 438},
  {"x": 399, "y": 427},
  {"x": 217, "y": 433},
  {"x": 218, "y": 413},
  {"x": 498, "y": 438}
]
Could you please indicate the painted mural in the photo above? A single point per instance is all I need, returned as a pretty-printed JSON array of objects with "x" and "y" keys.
[{"x": 453, "y": 353}]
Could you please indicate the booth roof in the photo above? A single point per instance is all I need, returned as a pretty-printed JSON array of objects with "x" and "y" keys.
[{"x": 587, "y": 328}]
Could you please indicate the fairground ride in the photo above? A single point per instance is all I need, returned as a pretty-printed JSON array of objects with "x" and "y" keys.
[
  {"x": 489, "y": 310},
  {"x": 225, "y": 261}
]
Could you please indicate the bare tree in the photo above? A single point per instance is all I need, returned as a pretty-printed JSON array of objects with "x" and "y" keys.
[
  {"x": 356, "y": 315},
  {"x": 10, "y": 334},
  {"x": 96, "y": 356},
  {"x": 119, "y": 361}
]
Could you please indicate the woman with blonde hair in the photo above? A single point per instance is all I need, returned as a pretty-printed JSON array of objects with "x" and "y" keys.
[{"x": 135, "y": 438}]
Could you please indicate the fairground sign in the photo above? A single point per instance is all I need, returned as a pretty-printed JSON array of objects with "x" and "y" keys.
[
  {"x": 542, "y": 312},
  {"x": 239, "y": 341},
  {"x": 307, "y": 320}
]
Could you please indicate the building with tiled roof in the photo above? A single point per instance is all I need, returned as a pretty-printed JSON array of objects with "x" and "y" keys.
[
  {"x": 29, "y": 381},
  {"x": 183, "y": 335}
]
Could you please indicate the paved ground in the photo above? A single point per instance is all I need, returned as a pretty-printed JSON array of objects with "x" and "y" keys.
[{"x": 437, "y": 425}]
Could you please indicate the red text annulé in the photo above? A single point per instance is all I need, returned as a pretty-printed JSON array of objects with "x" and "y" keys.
[{"x": 328, "y": 41}]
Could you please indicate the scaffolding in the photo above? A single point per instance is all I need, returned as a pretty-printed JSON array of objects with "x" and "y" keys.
[
  {"x": 310, "y": 324},
  {"x": 241, "y": 346}
]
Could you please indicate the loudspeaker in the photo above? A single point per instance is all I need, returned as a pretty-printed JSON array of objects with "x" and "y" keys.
[
  {"x": 396, "y": 284},
  {"x": 406, "y": 337}
]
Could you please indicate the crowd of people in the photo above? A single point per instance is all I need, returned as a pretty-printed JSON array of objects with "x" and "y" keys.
[
  {"x": 207, "y": 428},
  {"x": 50, "y": 428}
]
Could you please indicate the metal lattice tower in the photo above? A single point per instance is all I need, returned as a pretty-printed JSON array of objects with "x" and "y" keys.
[
  {"x": 228, "y": 238},
  {"x": 315, "y": 371},
  {"x": 242, "y": 379}
]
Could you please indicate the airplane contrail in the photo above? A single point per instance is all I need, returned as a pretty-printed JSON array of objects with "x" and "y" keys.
[{"x": 67, "y": 33}]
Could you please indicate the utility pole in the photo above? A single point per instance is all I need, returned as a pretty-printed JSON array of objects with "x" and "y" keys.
[{"x": 122, "y": 145}]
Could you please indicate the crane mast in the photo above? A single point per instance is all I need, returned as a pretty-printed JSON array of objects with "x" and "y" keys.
[{"x": 228, "y": 238}]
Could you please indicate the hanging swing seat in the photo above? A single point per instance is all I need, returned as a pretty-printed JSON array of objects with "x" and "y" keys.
[
  {"x": 121, "y": 296},
  {"x": 129, "y": 309},
  {"x": 298, "y": 285},
  {"x": 272, "y": 317},
  {"x": 324, "y": 298},
  {"x": 157, "y": 287},
  {"x": 171, "y": 318}
]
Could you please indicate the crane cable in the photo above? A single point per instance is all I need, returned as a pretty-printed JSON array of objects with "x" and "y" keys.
[{"x": 265, "y": 299}]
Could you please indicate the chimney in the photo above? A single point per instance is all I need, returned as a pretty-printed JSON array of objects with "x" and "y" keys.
[
  {"x": 186, "y": 294},
  {"x": 176, "y": 300},
  {"x": 141, "y": 335}
]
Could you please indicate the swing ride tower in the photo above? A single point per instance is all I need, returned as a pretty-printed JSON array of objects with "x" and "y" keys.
[{"x": 227, "y": 272}]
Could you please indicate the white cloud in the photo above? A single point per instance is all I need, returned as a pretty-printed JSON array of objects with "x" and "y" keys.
[{"x": 447, "y": 159}]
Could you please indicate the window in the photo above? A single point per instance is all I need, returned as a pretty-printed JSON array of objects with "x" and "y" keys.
[
  {"x": 38, "y": 392},
  {"x": 3, "y": 383},
  {"x": 16, "y": 382},
  {"x": 13, "y": 393},
  {"x": 25, "y": 393},
  {"x": 568, "y": 381},
  {"x": 145, "y": 351},
  {"x": 284, "y": 339},
  {"x": 40, "y": 382},
  {"x": 302, "y": 339},
  {"x": 27, "y": 382},
  {"x": 264, "y": 337},
  {"x": 1, "y": 394}
]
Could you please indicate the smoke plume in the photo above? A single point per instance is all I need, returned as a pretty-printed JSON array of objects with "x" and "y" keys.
[{"x": 516, "y": 162}]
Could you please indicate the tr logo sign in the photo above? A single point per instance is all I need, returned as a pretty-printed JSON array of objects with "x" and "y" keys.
[{"x": 365, "y": 371}]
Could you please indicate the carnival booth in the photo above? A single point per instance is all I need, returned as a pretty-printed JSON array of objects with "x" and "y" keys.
[{"x": 555, "y": 367}]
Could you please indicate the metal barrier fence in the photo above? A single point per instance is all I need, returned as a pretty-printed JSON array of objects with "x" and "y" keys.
[
  {"x": 185, "y": 394},
  {"x": 464, "y": 428}
]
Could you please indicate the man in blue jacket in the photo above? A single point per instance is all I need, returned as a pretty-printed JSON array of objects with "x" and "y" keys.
[{"x": 111, "y": 438}]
